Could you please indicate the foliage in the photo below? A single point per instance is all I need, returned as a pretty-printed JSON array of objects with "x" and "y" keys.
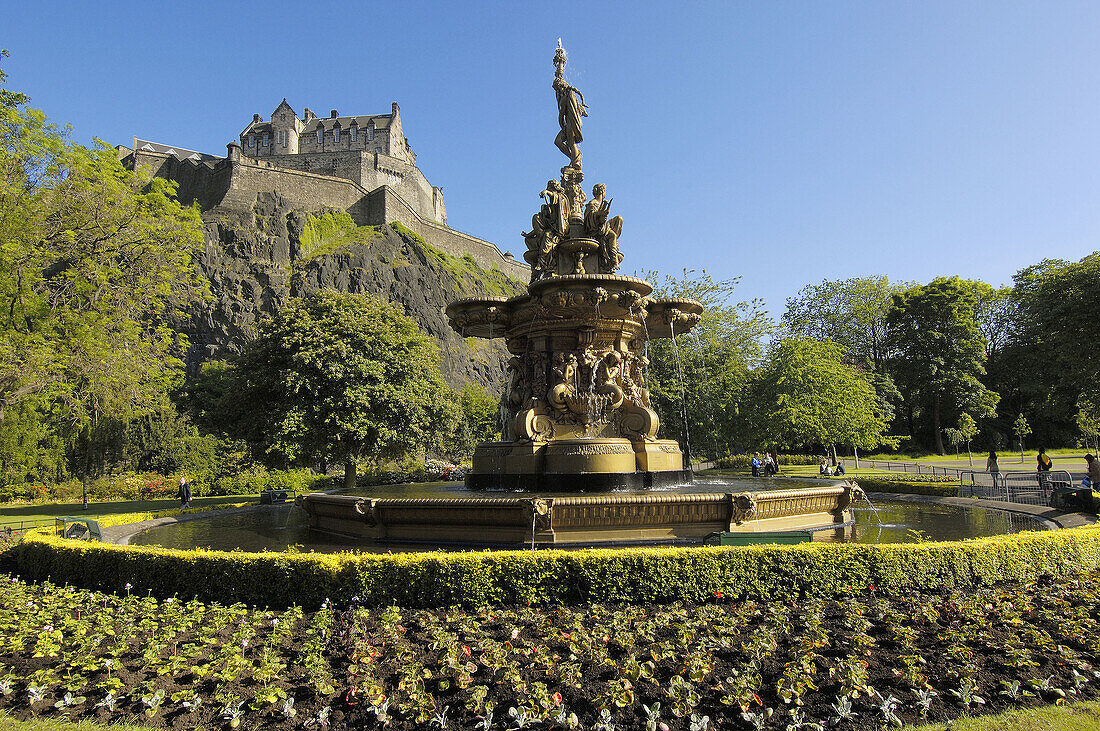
[
  {"x": 714, "y": 360},
  {"x": 344, "y": 377},
  {"x": 849, "y": 312},
  {"x": 935, "y": 485},
  {"x": 798, "y": 662},
  {"x": 660, "y": 574},
  {"x": 1021, "y": 429},
  {"x": 95, "y": 265},
  {"x": 331, "y": 232},
  {"x": 805, "y": 393},
  {"x": 1088, "y": 421},
  {"x": 939, "y": 353},
  {"x": 479, "y": 421}
]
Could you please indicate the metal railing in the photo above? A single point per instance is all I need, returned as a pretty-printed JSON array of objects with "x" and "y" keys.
[{"x": 21, "y": 526}]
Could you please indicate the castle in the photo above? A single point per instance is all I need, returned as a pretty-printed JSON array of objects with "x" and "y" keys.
[{"x": 359, "y": 164}]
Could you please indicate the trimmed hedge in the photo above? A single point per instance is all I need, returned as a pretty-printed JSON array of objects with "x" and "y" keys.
[
  {"x": 938, "y": 488},
  {"x": 641, "y": 575},
  {"x": 738, "y": 461}
]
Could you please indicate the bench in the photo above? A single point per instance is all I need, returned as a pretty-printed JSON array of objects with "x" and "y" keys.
[
  {"x": 753, "y": 539},
  {"x": 79, "y": 528},
  {"x": 273, "y": 497}
]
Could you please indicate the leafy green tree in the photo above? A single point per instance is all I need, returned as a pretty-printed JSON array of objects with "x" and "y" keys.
[
  {"x": 1088, "y": 421},
  {"x": 1048, "y": 363},
  {"x": 849, "y": 312},
  {"x": 714, "y": 360},
  {"x": 345, "y": 377},
  {"x": 807, "y": 393},
  {"x": 95, "y": 264},
  {"x": 1021, "y": 429},
  {"x": 938, "y": 353},
  {"x": 480, "y": 420}
]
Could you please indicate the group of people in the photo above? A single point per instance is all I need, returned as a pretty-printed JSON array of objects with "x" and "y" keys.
[
  {"x": 1043, "y": 464},
  {"x": 766, "y": 464},
  {"x": 828, "y": 470}
]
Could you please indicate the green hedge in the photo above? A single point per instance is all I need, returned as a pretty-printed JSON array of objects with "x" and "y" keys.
[
  {"x": 937, "y": 488},
  {"x": 735, "y": 461},
  {"x": 641, "y": 575}
]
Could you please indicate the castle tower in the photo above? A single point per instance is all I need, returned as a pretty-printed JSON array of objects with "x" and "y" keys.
[{"x": 285, "y": 127}]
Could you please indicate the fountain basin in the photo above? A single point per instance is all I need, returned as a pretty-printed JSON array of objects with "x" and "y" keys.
[{"x": 576, "y": 520}]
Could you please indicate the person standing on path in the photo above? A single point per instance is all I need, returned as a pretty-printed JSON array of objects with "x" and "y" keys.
[
  {"x": 184, "y": 493},
  {"x": 756, "y": 465}
]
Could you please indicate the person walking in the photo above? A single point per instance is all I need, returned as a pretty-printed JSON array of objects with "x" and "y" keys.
[
  {"x": 1043, "y": 471},
  {"x": 184, "y": 493},
  {"x": 992, "y": 467},
  {"x": 756, "y": 465}
]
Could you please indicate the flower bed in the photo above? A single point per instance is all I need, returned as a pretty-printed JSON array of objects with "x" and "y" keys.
[{"x": 860, "y": 662}]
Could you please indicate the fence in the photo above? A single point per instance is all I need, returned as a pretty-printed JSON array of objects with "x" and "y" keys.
[
  {"x": 1033, "y": 488},
  {"x": 21, "y": 526}
]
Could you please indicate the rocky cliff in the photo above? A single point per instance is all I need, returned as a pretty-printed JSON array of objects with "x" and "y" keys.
[{"x": 255, "y": 260}]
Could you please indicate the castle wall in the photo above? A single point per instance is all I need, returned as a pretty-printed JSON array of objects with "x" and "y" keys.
[
  {"x": 235, "y": 182},
  {"x": 372, "y": 171}
]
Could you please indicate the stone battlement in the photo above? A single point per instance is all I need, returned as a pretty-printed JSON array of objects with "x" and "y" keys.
[{"x": 232, "y": 184}]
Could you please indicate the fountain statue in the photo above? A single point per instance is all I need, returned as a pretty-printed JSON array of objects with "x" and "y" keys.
[{"x": 576, "y": 410}]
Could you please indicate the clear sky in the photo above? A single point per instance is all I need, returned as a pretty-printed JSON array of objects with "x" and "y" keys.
[{"x": 783, "y": 142}]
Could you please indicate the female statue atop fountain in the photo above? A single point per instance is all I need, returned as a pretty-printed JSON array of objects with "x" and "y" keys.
[
  {"x": 571, "y": 110},
  {"x": 547, "y": 228},
  {"x": 605, "y": 231}
]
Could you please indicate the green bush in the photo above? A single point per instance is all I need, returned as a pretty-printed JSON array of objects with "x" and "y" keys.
[
  {"x": 911, "y": 486},
  {"x": 643, "y": 575}
]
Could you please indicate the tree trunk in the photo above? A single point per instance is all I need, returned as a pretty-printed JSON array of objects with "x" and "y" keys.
[
  {"x": 969, "y": 454},
  {"x": 349, "y": 474},
  {"x": 936, "y": 424},
  {"x": 855, "y": 454}
]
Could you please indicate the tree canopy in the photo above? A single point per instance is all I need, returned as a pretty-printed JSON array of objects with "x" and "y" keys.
[
  {"x": 939, "y": 353},
  {"x": 344, "y": 377},
  {"x": 95, "y": 264},
  {"x": 806, "y": 393}
]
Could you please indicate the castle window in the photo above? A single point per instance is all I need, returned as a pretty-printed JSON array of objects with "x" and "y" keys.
[
  {"x": 265, "y": 139},
  {"x": 252, "y": 140},
  {"x": 353, "y": 131},
  {"x": 320, "y": 135},
  {"x": 336, "y": 135},
  {"x": 378, "y": 151},
  {"x": 370, "y": 133}
]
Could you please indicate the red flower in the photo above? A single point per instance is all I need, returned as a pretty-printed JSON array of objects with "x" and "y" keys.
[{"x": 466, "y": 650}]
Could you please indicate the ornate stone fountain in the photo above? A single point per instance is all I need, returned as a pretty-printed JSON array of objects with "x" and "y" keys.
[{"x": 576, "y": 410}]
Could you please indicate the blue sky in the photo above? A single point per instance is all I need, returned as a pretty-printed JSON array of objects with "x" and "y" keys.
[{"x": 783, "y": 142}]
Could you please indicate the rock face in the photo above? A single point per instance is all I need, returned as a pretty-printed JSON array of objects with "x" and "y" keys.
[{"x": 256, "y": 260}]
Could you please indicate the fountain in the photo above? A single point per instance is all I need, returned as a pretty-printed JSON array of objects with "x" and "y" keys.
[
  {"x": 576, "y": 412},
  {"x": 576, "y": 409}
]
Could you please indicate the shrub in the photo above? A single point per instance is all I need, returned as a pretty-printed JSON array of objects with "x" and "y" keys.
[
  {"x": 642, "y": 575},
  {"x": 939, "y": 486}
]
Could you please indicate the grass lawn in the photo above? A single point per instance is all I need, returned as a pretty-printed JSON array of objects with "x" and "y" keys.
[
  {"x": 14, "y": 513},
  {"x": 1083, "y": 716},
  {"x": 806, "y": 470}
]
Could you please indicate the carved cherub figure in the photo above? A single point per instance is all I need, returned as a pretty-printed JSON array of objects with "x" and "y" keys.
[{"x": 605, "y": 231}]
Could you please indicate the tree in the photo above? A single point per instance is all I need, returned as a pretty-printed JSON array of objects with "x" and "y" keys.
[
  {"x": 479, "y": 422},
  {"x": 1022, "y": 429},
  {"x": 995, "y": 314},
  {"x": 95, "y": 264},
  {"x": 964, "y": 433},
  {"x": 939, "y": 353},
  {"x": 1088, "y": 421},
  {"x": 849, "y": 312},
  {"x": 1048, "y": 359},
  {"x": 345, "y": 377},
  {"x": 806, "y": 393},
  {"x": 714, "y": 361}
]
